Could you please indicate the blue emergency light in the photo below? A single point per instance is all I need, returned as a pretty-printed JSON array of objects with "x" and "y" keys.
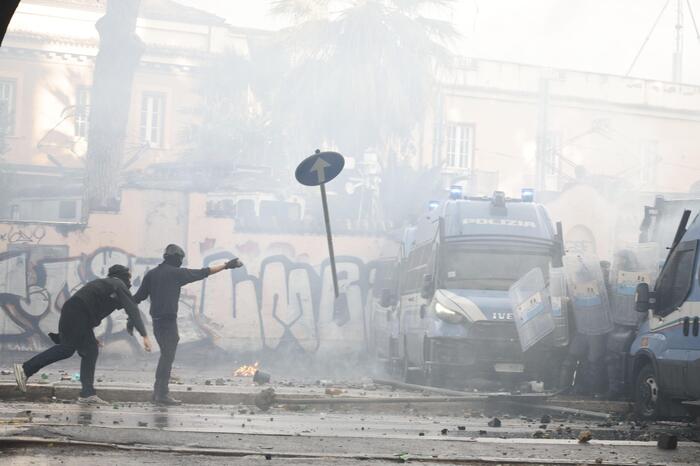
[
  {"x": 432, "y": 205},
  {"x": 527, "y": 195},
  {"x": 455, "y": 192}
]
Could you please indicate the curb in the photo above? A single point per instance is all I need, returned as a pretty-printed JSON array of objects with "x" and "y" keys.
[{"x": 44, "y": 392}]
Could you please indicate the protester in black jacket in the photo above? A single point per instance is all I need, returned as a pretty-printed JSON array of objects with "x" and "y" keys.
[
  {"x": 79, "y": 315},
  {"x": 162, "y": 284}
]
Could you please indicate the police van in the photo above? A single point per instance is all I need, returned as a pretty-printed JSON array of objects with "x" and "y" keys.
[
  {"x": 451, "y": 314},
  {"x": 664, "y": 358}
]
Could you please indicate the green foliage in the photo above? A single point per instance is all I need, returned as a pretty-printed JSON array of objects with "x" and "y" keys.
[
  {"x": 363, "y": 70},
  {"x": 233, "y": 121}
]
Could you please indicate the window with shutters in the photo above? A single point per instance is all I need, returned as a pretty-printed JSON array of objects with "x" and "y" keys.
[{"x": 152, "y": 118}]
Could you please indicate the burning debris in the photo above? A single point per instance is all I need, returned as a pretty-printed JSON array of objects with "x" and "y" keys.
[{"x": 246, "y": 370}]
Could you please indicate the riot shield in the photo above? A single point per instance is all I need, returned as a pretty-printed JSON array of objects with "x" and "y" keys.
[
  {"x": 559, "y": 296},
  {"x": 589, "y": 297},
  {"x": 532, "y": 311},
  {"x": 632, "y": 265}
]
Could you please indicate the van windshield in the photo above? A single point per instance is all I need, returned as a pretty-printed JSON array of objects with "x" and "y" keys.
[{"x": 488, "y": 269}]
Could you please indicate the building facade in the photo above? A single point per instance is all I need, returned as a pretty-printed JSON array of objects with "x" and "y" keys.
[
  {"x": 46, "y": 66},
  {"x": 509, "y": 120}
]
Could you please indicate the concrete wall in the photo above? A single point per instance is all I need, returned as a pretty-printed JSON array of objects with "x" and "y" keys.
[{"x": 284, "y": 295}]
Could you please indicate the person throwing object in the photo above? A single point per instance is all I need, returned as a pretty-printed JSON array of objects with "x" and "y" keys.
[{"x": 162, "y": 284}]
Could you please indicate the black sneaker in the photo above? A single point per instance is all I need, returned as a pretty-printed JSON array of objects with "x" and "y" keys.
[{"x": 166, "y": 401}]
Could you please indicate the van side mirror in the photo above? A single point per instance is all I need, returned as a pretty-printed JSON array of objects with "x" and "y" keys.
[
  {"x": 387, "y": 298},
  {"x": 644, "y": 299},
  {"x": 428, "y": 289}
]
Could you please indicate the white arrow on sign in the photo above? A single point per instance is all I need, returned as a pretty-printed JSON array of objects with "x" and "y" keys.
[{"x": 319, "y": 167}]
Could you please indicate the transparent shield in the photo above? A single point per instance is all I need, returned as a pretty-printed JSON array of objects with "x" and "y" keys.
[
  {"x": 632, "y": 265},
  {"x": 532, "y": 310},
  {"x": 558, "y": 292},
  {"x": 589, "y": 297}
]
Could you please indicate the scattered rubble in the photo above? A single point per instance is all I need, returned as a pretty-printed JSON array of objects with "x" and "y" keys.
[
  {"x": 261, "y": 378},
  {"x": 667, "y": 442},
  {"x": 265, "y": 399},
  {"x": 585, "y": 436}
]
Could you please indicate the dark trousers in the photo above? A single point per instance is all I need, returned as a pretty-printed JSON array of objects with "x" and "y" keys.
[
  {"x": 165, "y": 331},
  {"x": 75, "y": 335},
  {"x": 586, "y": 358},
  {"x": 617, "y": 346}
]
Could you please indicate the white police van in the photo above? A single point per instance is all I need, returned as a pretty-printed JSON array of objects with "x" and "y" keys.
[
  {"x": 448, "y": 315},
  {"x": 664, "y": 359}
]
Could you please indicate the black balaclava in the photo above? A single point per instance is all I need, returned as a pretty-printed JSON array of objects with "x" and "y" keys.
[
  {"x": 173, "y": 255},
  {"x": 120, "y": 272}
]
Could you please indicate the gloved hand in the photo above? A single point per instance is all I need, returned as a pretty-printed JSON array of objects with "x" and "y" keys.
[
  {"x": 129, "y": 326},
  {"x": 234, "y": 263}
]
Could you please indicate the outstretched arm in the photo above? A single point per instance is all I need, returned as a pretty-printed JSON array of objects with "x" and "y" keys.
[
  {"x": 192, "y": 275},
  {"x": 232, "y": 264}
]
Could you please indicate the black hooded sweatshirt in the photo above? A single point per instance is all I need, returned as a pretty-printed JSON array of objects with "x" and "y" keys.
[
  {"x": 163, "y": 285},
  {"x": 105, "y": 295}
]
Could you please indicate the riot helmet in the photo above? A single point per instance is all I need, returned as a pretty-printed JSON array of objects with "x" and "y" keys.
[{"x": 626, "y": 259}]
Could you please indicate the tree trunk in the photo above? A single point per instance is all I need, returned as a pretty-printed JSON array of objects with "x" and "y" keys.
[
  {"x": 7, "y": 9},
  {"x": 116, "y": 63}
]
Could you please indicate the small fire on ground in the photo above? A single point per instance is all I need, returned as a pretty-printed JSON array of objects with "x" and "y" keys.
[{"x": 246, "y": 371}]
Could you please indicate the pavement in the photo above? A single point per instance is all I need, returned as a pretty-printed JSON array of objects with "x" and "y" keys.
[
  {"x": 341, "y": 420},
  {"x": 246, "y": 434}
]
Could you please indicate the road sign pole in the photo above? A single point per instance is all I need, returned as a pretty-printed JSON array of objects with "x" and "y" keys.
[
  {"x": 317, "y": 170},
  {"x": 329, "y": 236}
]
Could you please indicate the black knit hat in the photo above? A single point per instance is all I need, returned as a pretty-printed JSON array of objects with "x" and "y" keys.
[
  {"x": 173, "y": 250},
  {"x": 119, "y": 271}
]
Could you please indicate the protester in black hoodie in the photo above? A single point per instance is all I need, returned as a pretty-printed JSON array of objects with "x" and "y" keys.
[
  {"x": 162, "y": 284},
  {"x": 79, "y": 315}
]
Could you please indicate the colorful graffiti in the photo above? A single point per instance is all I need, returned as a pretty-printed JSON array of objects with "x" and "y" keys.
[{"x": 286, "y": 303}]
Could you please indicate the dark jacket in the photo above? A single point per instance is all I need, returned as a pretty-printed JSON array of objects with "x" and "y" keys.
[
  {"x": 163, "y": 284},
  {"x": 105, "y": 295}
]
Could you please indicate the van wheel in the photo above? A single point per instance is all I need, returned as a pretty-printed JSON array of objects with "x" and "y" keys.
[{"x": 648, "y": 401}]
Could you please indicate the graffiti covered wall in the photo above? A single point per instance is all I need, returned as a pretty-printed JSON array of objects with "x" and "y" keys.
[{"x": 283, "y": 296}]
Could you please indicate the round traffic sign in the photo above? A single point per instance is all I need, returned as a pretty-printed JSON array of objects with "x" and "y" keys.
[{"x": 319, "y": 168}]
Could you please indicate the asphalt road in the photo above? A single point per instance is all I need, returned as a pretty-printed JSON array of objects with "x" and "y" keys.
[{"x": 140, "y": 433}]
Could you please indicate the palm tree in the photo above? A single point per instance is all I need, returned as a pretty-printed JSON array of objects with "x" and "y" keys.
[
  {"x": 363, "y": 70},
  {"x": 232, "y": 123},
  {"x": 115, "y": 65}
]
